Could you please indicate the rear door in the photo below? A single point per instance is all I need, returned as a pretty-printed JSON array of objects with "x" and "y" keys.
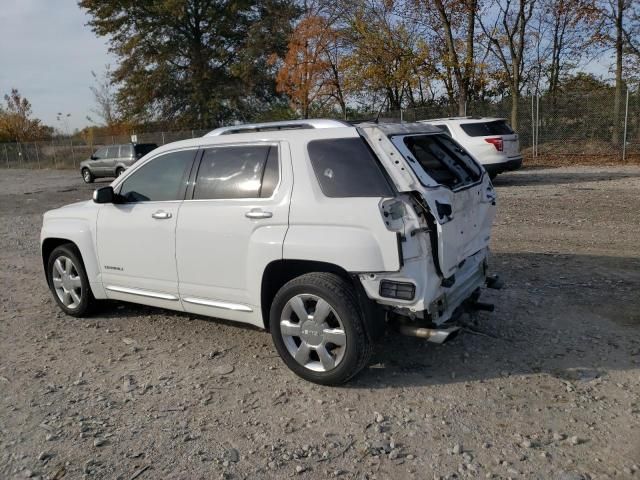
[
  {"x": 458, "y": 193},
  {"x": 231, "y": 226}
]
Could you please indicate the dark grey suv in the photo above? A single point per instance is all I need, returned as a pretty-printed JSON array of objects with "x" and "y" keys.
[{"x": 112, "y": 160}]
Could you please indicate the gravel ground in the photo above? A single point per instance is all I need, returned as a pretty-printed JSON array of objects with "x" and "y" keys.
[{"x": 545, "y": 387}]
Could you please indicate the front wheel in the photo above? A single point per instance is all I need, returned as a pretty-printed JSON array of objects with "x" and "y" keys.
[
  {"x": 68, "y": 281},
  {"x": 318, "y": 328}
]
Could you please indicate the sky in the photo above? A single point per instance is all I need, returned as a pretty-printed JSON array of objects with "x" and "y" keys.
[{"x": 47, "y": 52}]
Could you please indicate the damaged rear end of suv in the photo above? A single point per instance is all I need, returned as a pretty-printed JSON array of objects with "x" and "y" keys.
[{"x": 442, "y": 214}]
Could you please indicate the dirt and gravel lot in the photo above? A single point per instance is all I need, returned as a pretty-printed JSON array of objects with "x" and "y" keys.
[{"x": 547, "y": 386}]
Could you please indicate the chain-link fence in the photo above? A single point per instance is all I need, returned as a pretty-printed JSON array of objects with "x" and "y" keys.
[
  {"x": 70, "y": 151},
  {"x": 579, "y": 128}
]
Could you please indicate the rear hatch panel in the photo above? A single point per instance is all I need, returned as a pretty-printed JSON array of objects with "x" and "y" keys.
[{"x": 463, "y": 211}]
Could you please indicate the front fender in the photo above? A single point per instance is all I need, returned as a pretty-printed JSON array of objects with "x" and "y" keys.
[{"x": 80, "y": 232}]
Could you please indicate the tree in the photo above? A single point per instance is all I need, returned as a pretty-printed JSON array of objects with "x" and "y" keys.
[
  {"x": 105, "y": 97},
  {"x": 623, "y": 21},
  {"x": 16, "y": 123},
  {"x": 194, "y": 62},
  {"x": 388, "y": 55},
  {"x": 310, "y": 71},
  {"x": 570, "y": 25},
  {"x": 452, "y": 26},
  {"x": 507, "y": 40}
]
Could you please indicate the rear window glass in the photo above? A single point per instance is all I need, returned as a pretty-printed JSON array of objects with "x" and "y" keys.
[
  {"x": 484, "y": 129},
  {"x": 443, "y": 160},
  {"x": 144, "y": 148},
  {"x": 346, "y": 167}
]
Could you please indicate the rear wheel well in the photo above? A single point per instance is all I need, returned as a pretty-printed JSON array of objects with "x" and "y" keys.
[{"x": 280, "y": 272}]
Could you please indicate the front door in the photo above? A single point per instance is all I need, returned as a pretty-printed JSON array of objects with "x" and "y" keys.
[
  {"x": 232, "y": 228},
  {"x": 136, "y": 237}
]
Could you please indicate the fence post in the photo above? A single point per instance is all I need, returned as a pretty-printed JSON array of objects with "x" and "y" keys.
[
  {"x": 73, "y": 153},
  {"x": 537, "y": 123},
  {"x": 626, "y": 121},
  {"x": 192, "y": 136},
  {"x": 19, "y": 145},
  {"x": 53, "y": 150},
  {"x": 401, "y": 116},
  {"x": 533, "y": 129},
  {"x": 37, "y": 155},
  {"x": 6, "y": 155},
  {"x": 162, "y": 138}
]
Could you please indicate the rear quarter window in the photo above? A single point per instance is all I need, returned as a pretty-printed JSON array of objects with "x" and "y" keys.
[
  {"x": 485, "y": 129},
  {"x": 346, "y": 167}
]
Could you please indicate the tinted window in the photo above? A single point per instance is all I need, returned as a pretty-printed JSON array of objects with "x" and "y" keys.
[
  {"x": 438, "y": 157},
  {"x": 101, "y": 153},
  {"x": 484, "y": 129},
  {"x": 126, "y": 151},
  {"x": 143, "y": 148},
  {"x": 237, "y": 172},
  {"x": 346, "y": 167},
  {"x": 163, "y": 178}
]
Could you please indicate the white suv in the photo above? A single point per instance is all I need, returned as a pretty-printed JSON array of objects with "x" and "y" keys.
[
  {"x": 317, "y": 230},
  {"x": 490, "y": 140}
]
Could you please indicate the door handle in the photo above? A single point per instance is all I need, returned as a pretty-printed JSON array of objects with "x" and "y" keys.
[
  {"x": 161, "y": 215},
  {"x": 258, "y": 213}
]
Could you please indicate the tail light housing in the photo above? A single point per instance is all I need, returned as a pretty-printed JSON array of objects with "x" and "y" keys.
[{"x": 496, "y": 142}]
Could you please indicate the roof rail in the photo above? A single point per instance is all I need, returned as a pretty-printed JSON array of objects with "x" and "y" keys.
[{"x": 284, "y": 125}]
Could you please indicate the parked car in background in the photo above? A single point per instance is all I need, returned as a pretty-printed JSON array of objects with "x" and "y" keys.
[
  {"x": 317, "y": 230},
  {"x": 490, "y": 140},
  {"x": 112, "y": 160}
]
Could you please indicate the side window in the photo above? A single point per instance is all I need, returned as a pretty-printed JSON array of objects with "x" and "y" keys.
[
  {"x": 100, "y": 153},
  {"x": 126, "y": 151},
  {"x": 346, "y": 167},
  {"x": 163, "y": 178},
  {"x": 112, "y": 151},
  {"x": 237, "y": 172}
]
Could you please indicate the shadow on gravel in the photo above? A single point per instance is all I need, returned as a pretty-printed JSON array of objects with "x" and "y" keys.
[
  {"x": 552, "y": 177},
  {"x": 574, "y": 317}
]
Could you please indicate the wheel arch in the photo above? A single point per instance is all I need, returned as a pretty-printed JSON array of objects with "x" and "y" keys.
[
  {"x": 78, "y": 233},
  {"x": 279, "y": 272}
]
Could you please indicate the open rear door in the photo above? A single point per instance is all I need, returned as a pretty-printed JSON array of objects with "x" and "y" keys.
[{"x": 455, "y": 188}]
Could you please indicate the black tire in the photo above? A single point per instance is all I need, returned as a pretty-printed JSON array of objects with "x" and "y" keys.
[
  {"x": 87, "y": 176},
  {"x": 341, "y": 297},
  {"x": 87, "y": 300},
  {"x": 119, "y": 171}
]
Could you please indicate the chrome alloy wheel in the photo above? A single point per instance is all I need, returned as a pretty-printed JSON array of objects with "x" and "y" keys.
[
  {"x": 87, "y": 175},
  {"x": 67, "y": 282},
  {"x": 313, "y": 332}
]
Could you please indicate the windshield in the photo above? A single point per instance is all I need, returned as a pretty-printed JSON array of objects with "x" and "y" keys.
[{"x": 441, "y": 159}]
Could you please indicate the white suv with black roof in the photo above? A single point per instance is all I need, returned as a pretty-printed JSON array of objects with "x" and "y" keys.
[
  {"x": 320, "y": 231},
  {"x": 490, "y": 140}
]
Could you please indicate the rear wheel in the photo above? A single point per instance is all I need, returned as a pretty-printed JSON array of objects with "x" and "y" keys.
[
  {"x": 68, "y": 281},
  {"x": 318, "y": 330},
  {"x": 119, "y": 171},
  {"x": 87, "y": 176}
]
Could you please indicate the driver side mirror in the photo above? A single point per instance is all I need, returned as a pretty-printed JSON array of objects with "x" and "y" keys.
[{"x": 103, "y": 195}]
